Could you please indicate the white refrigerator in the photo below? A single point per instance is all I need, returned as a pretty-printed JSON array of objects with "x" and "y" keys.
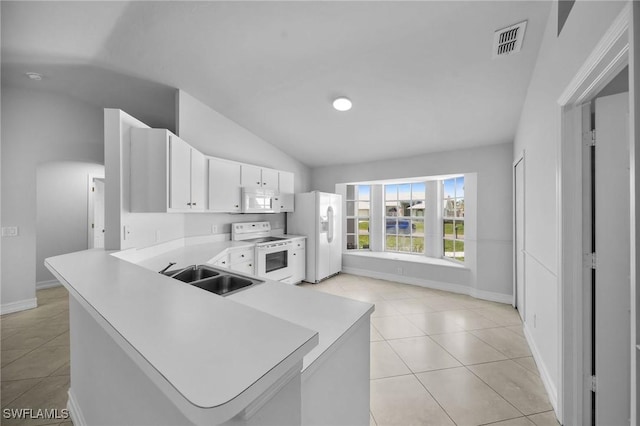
[{"x": 318, "y": 216}]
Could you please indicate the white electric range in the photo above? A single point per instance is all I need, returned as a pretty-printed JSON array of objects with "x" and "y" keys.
[{"x": 273, "y": 254}]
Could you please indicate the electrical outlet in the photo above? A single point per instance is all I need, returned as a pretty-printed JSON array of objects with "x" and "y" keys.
[
  {"x": 214, "y": 229},
  {"x": 534, "y": 320},
  {"x": 126, "y": 232},
  {"x": 157, "y": 235},
  {"x": 399, "y": 270},
  {"x": 10, "y": 231}
]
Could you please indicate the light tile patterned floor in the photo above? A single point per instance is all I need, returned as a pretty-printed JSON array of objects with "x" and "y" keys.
[
  {"x": 441, "y": 358},
  {"x": 437, "y": 358}
]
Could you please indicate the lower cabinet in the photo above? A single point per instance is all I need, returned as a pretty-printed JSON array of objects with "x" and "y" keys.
[
  {"x": 298, "y": 261},
  {"x": 241, "y": 260}
]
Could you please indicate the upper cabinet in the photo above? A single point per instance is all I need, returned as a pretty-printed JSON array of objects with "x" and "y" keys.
[
  {"x": 224, "y": 186},
  {"x": 167, "y": 174},
  {"x": 258, "y": 177}
]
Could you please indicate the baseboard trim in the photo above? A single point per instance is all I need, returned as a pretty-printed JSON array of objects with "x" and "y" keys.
[
  {"x": 552, "y": 392},
  {"x": 74, "y": 410},
  {"x": 41, "y": 285},
  {"x": 20, "y": 305},
  {"x": 436, "y": 285}
]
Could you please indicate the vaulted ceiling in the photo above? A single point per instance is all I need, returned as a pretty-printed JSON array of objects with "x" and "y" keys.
[{"x": 420, "y": 74}]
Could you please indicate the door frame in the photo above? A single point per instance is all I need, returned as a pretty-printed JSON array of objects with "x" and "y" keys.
[
  {"x": 515, "y": 249},
  {"x": 607, "y": 59},
  {"x": 91, "y": 178}
]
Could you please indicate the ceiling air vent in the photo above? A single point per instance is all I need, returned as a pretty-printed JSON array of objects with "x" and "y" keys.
[{"x": 508, "y": 41}]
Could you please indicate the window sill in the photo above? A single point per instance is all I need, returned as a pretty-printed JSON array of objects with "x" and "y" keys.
[{"x": 407, "y": 258}]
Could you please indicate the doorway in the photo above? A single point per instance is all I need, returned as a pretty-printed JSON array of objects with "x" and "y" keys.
[{"x": 607, "y": 177}]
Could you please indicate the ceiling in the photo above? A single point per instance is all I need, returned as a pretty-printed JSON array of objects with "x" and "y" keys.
[{"x": 420, "y": 74}]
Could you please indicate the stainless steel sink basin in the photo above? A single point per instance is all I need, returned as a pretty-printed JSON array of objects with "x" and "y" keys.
[
  {"x": 195, "y": 273},
  {"x": 218, "y": 281},
  {"x": 223, "y": 284}
]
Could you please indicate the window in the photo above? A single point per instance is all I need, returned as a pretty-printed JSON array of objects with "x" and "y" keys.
[
  {"x": 358, "y": 202},
  {"x": 404, "y": 217},
  {"x": 453, "y": 218}
]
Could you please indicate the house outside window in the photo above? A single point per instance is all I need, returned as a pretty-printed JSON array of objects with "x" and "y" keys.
[
  {"x": 453, "y": 218},
  {"x": 404, "y": 217},
  {"x": 358, "y": 208}
]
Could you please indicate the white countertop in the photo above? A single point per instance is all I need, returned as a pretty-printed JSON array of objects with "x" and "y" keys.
[
  {"x": 196, "y": 254},
  {"x": 331, "y": 316},
  {"x": 209, "y": 348}
]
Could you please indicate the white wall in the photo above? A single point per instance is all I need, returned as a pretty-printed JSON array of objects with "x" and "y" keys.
[
  {"x": 214, "y": 134},
  {"x": 491, "y": 275},
  {"x": 538, "y": 134},
  {"x": 37, "y": 127},
  {"x": 145, "y": 228},
  {"x": 62, "y": 204}
]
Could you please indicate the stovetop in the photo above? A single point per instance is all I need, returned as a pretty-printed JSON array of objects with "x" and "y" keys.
[{"x": 265, "y": 240}]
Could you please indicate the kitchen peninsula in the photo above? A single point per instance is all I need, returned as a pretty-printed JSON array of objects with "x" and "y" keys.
[{"x": 149, "y": 349}]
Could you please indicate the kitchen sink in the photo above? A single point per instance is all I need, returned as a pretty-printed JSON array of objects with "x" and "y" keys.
[
  {"x": 223, "y": 284},
  {"x": 214, "y": 280},
  {"x": 195, "y": 273}
]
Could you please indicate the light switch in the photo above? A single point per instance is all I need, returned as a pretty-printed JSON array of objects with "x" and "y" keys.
[{"x": 10, "y": 231}]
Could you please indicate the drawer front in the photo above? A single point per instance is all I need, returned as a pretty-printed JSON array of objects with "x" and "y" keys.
[
  {"x": 239, "y": 256},
  {"x": 244, "y": 267}
]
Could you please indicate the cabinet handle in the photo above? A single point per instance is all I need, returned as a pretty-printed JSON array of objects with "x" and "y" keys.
[
  {"x": 250, "y": 264},
  {"x": 258, "y": 183},
  {"x": 188, "y": 204},
  {"x": 295, "y": 254},
  {"x": 193, "y": 204}
]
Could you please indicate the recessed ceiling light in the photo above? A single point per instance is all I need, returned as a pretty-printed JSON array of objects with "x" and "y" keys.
[
  {"x": 34, "y": 76},
  {"x": 342, "y": 104}
]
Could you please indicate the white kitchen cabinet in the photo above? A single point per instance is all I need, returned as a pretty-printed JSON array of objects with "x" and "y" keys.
[
  {"x": 258, "y": 177},
  {"x": 285, "y": 192},
  {"x": 241, "y": 260},
  {"x": 224, "y": 186},
  {"x": 167, "y": 174},
  {"x": 298, "y": 255},
  {"x": 221, "y": 261},
  {"x": 285, "y": 182}
]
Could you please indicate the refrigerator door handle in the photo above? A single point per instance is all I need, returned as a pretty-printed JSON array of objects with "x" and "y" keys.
[{"x": 330, "y": 220}]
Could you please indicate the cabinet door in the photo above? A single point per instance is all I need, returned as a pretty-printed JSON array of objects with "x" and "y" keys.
[
  {"x": 179, "y": 174},
  {"x": 270, "y": 179},
  {"x": 224, "y": 186},
  {"x": 285, "y": 182},
  {"x": 197, "y": 180},
  {"x": 251, "y": 176},
  {"x": 299, "y": 270}
]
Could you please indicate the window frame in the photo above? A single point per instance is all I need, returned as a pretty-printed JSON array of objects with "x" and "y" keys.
[
  {"x": 356, "y": 217},
  {"x": 454, "y": 219},
  {"x": 410, "y": 218}
]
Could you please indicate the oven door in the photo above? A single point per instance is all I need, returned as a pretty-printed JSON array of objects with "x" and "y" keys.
[{"x": 274, "y": 261}]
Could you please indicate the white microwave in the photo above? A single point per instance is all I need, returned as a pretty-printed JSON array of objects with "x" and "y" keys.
[{"x": 256, "y": 200}]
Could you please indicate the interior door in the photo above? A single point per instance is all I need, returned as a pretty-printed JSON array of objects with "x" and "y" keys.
[
  {"x": 612, "y": 286},
  {"x": 519, "y": 236}
]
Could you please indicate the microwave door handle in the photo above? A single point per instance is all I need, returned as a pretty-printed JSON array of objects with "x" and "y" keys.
[{"x": 330, "y": 220}]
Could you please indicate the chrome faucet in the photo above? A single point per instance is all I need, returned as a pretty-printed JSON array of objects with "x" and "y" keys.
[{"x": 167, "y": 267}]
